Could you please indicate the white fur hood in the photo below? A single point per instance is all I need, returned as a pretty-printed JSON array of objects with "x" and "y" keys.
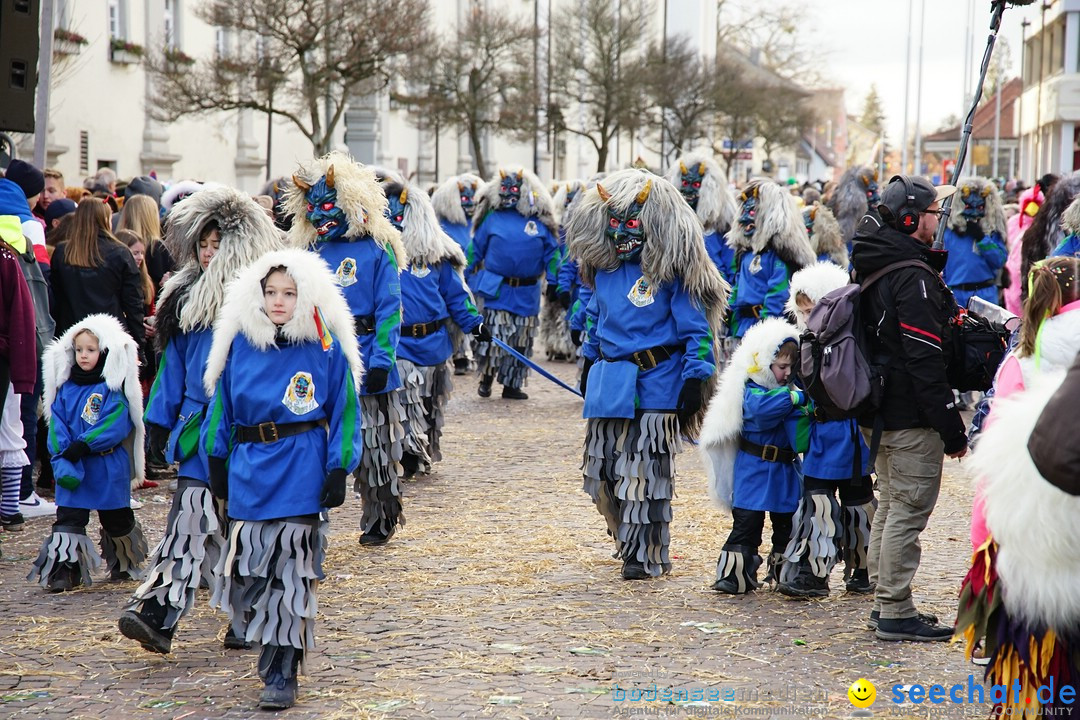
[{"x": 814, "y": 282}]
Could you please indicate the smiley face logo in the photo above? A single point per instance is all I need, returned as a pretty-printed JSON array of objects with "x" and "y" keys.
[{"x": 862, "y": 693}]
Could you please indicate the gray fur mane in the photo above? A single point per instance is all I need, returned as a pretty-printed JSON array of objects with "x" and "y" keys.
[
  {"x": 848, "y": 202},
  {"x": 716, "y": 204},
  {"x": 424, "y": 240},
  {"x": 446, "y": 200},
  {"x": 535, "y": 199},
  {"x": 780, "y": 227},
  {"x": 994, "y": 219},
  {"x": 827, "y": 238}
]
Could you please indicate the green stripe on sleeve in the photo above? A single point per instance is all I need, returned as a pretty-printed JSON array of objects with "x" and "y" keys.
[
  {"x": 101, "y": 427},
  {"x": 382, "y": 337},
  {"x": 348, "y": 420},
  {"x": 215, "y": 422}
]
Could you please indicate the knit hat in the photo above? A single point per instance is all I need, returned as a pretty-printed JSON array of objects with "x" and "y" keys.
[
  {"x": 144, "y": 185},
  {"x": 26, "y": 176}
]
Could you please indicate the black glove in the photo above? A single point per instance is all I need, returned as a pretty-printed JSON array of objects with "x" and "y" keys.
[
  {"x": 158, "y": 441},
  {"x": 333, "y": 489},
  {"x": 76, "y": 451},
  {"x": 586, "y": 365},
  {"x": 376, "y": 380},
  {"x": 690, "y": 399},
  {"x": 219, "y": 477},
  {"x": 552, "y": 293},
  {"x": 481, "y": 333},
  {"x": 575, "y": 337},
  {"x": 566, "y": 300},
  {"x": 975, "y": 231}
]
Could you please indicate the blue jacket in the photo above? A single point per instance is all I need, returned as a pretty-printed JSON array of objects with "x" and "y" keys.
[
  {"x": 618, "y": 326},
  {"x": 1069, "y": 247},
  {"x": 430, "y": 293},
  {"x": 576, "y": 317},
  {"x": 972, "y": 262},
  {"x": 461, "y": 234},
  {"x": 285, "y": 384},
  {"x": 723, "y": 257},
  {"x": 13, "y": 201},
  {"x": 831, "y": 453},
  {"x": 178, "y": 401},
  {"x": 770, "y": 417},
  {"x": 368, "y": 276},
  {"x": 100, "y": 418},
  {"x": 762, "y": 282},
  {"x": 569, "y": 281},
  {"x": 509, "y": 245}
]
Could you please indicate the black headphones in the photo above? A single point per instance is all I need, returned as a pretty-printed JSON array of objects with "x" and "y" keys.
[{"x": 906, "y": 218}]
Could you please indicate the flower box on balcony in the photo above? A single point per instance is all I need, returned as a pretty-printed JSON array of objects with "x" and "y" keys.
[
  {"x": 124, "y": 53},
  {"x": 66, "y": 42}
]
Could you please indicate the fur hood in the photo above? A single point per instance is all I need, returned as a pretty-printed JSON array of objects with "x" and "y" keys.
[
  {"x": 826, "y": 238},
  {"x": 720, "y": 432},
  {"x": 1033, "y": 522},
  {"x": 316, "y": 288},
  {"x": 674, "y": 242},
  {"x": 191, "y": 298},
  {"x": 359, "y": 195},
  {"x": 716, "y": 205},
  {"x": 424, "y": 240},
  {"x": 780, "y": 226},
  {"x": 121, "y": 373},
  {"x": 994, "y": 219},
  {"x": 563, "y": 190},
  {"x": 848, "y": 202},
  {"x": 814, "y": 282},
  {"x": 446, "y": 200},
  {"x": 1070, "y": 219},
  {"x": 1058, "y": 342},
  {"x": 535, "y": 199}
]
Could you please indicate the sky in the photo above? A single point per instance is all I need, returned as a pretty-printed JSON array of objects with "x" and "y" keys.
[{"x": 863, "y": 42}]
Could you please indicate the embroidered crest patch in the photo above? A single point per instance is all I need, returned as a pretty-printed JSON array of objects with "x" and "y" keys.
[
  {"x": 346, "y": 272},
  {"x": 300, "y": 394},
  {"x": 420, "y": 271},
  {"x": 642, "y": 293},
  {"x": 755, "y": 265},
  {"x": 91, "y": 411},
  {"x": 531, "y": 229}
]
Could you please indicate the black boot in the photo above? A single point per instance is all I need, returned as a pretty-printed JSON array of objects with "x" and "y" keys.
[
  {"x": 64, "y": 576},
  {"x": 279, "y": 691},
  {"x": 633, "y": 569},
  {"x": 805, "y": 584},
  {"x": 461, "y": 366},
  {"x": 859, "y": 582},
  {"x": 513, "y": 393},
  {"x": 146, "y": 626},
  {"x": 234, "y": 641},
  {"x": 375, "y": 536},
  {"x": 736, "y": 570},
  {"x": 484, "y": 390},
  {"x": 410, "y": 464}
]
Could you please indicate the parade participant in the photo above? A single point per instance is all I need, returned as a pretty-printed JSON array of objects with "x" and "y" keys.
[
  {"x": 93, "y": 402},
  {"x": 572, "y": 294},
  {"x": 835, "y": 462},
  {"x": 770, "y": 242},
  {"x": 975, "y": 240},
  {"x": 1048, "y": 228},
  {"x": 825, "y": 238},
  {"x": 454, "y": 202},
  {"x": 513, "y": 244},
  {"x": 282, "y": 434},
  {"x": 752, "y": 436},
  {"x": 345, "y": 212},
  {"x": 649, "y": 353},
  {"x": 433, "y": 295},
  {"x": 705, "y": 188},
  {"x": 554, "y": 323},
  {"x": 1070, "y": 222},
  {"x": 855, "y": 193},
  {"x": 211, "y": 235}
]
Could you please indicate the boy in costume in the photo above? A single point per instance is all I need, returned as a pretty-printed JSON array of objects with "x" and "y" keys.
[
  {"x": 705, "y": 187},
  {"x": 455, "y": 203}
]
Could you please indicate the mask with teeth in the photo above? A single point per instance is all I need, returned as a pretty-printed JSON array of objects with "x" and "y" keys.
[
  {"x": 396, "y": 197},
  {"x": 974, "y": 203},
  {"x": 748, "y": 215},
  {"x": 468, "y": 199},
  {"x": 509, "y": 191},
  {"x": 624, "y": 228},
  {"x": 323, "y": 212},
  {"x": 690, "y": 185},
  {"x": 873, "y": 194}
]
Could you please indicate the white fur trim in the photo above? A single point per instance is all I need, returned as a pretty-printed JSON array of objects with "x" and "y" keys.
[
  {"x": 814, "y": 282},
  {"x": 1060, "y": 343}
]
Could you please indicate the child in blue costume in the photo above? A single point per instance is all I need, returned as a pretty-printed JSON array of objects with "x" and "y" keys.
[
  {"x": 705, "y": 187},
  {"x": 512, "y": 247},
  {"x": 975, "y": 241},
  {"x": 282, "y": 434},
  {"x": 824, "y": 233},
  {"x": 770, "y": 243},
  {"x": 836, "y": 462},
  {"x": 345, "y": 212},
  {"x": 649, "y": 353},
  {"x": 756, "y": 425},
  {"x": 554, "y": 322},
  {"x": 93, "y": 402},
  {"x": 455, "y": 202},
  {"x": 433, "y": 296},
  {"x": 212, "y": 235}
]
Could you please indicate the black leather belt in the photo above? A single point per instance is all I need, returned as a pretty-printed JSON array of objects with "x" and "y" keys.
[
  {"x": 421, "y": 330},
  {"x": 971, "y": 287},
  {"x": 648, "y": 359},
  {"x": 520, "y": 282},
  {"x": 768, "y": 453},
  {"x": 365, "y": 324},
  {"x": 269, "y": 432},
  {"x": 749, "y": 312}
]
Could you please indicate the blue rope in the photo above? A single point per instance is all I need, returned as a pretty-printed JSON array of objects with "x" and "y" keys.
[{"x": 534, "y": 366}]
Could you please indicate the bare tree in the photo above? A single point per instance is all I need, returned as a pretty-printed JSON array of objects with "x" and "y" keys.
[
  {"x": 299, "y": 59},
  {"x": 480, "y": 81},
  {"x": 783, "y": 118},
  {"x": 599, "y": 48},
  {"x": 737, "y": 103},
  {"x": 773, "y": 33}
]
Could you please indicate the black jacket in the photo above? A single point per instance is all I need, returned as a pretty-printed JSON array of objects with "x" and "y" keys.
[
  {"x": 907, "y": 314},
  {"x": 113, "y": 287}
]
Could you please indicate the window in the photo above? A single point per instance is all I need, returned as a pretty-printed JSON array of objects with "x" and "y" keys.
[
  {"x": 114, "y": 19},
  {"x": 221, "y": 43},
  {"x": 84, "y": 152},
  {"x": 171, "y": 39}
]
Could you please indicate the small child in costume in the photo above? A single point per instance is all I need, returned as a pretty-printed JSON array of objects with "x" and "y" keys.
[
  {"x": 281, "y": 435},
  {"x": 835, "y": 462},
  {"x": 93, "y": 402},
  {"x": 754, "y": 430}
]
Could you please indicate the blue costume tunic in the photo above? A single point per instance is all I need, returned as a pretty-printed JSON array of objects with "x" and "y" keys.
[
  {"x": 626, "y": 315},
  {"x": 461, "y": 234},
  {"x": 368, "y": 276},
  {"x": 429, "y": 293},
  {"x": 1069, "y": 247},
  {"x": 290, "y": 383},
  {"x": 770, "y": 417},
  {"x": 100, "y": 418},
  {"x": 831, "y": 454},
  {"x": 570, "y": 282},
  {"x": 577, "y": 310},
  {"x": 178, "y": 401},
  {"x": 972, "y": 262},
  {"x": 723, "y": 257},
  {"x": 762, "y": 281},
  {"x": 510, "y": 245}
]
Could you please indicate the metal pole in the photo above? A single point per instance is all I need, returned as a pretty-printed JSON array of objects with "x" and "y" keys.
[
  {"x": 41, "y": 111},
  {"x": 1038, "y": 101},
  {"x": 269, "y": 130},
  {"x": 907, "y": 88},
  {"x": 997, "y": 122},
  {"x": 536, "y": 87},
  {"x": 663, "y": 110},
  {"x": 918, "y": 92},
  {"x": 1023, "y": 86}
]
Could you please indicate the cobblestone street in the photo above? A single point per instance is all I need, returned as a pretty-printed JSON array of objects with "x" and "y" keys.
[{"x": 499, "y": 598}]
